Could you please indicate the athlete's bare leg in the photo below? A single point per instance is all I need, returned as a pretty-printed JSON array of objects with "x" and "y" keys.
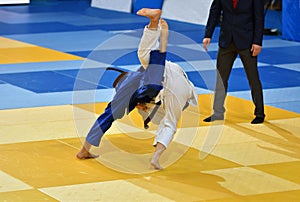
[
  {"x": 164, "y": 34},
  {"x": 84, "y": 153},
  {"x": 153, "y": 15},
  {"x": 160, "y": 148}
]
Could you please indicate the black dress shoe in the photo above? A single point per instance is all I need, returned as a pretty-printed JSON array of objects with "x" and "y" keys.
[
  {"x": 213, "y": 118},
  {"x": 257, "y": 120}
]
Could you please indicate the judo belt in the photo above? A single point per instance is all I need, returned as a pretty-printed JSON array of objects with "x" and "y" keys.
[
  {"x": 123, "y": 73},
  {"x": 151, "y": 115}
]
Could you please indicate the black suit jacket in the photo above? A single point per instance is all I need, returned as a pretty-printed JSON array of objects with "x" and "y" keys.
[{"x": 243, "y": 25}]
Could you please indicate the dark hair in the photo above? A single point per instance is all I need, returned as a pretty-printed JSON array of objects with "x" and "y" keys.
[{"x": 143, "y": 94}]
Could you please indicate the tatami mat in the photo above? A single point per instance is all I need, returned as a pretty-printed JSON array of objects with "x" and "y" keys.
[
  {"x": 38, "y": 148},
  {"x": 52, "y": 54}
]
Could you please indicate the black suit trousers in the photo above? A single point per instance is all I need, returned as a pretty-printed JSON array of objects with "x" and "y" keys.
[{"x": 225, "y": 60}]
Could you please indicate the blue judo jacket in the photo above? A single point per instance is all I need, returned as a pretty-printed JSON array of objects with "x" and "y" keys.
[{"x": 135, "y": 87}]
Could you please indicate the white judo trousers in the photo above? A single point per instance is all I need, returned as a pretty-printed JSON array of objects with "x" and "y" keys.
[{"x": 177, "y": 89}]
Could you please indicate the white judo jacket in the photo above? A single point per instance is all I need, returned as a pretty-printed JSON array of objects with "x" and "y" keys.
[{"x": 177, "y": 90}]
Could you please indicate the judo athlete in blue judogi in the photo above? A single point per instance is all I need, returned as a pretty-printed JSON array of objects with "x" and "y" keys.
[{"x": 156, "y": 81}]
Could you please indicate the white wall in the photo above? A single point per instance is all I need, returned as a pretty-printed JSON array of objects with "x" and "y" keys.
[
  {"x": 116, "y": 5},
  {"x": 14, "y": 1},
  {"x": 193, "y": 11}
]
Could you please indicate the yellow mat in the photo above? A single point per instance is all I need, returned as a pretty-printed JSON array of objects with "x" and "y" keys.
[
  {"x": 223, "y": 161},
  {"x": 12, "y": 51}
]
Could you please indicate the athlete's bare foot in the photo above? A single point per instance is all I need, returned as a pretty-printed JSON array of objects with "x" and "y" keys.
[
  {"x": 164, "y": 33},
  {"x": 160, "y": 148},
  {"x": 84, "y": 152},
  {"x": 86, "y": 155},
  {"x": 155, "y": 165},
  {"x": 152, "y": 14}
]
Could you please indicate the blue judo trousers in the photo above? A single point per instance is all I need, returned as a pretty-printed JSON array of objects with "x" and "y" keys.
[{"x": 137, "y": 87}]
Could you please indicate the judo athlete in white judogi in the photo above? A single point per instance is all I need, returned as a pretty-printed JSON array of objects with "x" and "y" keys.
[{"x": 157, "y": 81}]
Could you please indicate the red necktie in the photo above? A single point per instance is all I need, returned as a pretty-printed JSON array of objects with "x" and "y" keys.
[{"x": 234, "y": 2}]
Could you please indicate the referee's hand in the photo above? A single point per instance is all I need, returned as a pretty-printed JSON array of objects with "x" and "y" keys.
[
  {"x": 206, "y": 42},
  {"x": 255, "y": 49}
]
